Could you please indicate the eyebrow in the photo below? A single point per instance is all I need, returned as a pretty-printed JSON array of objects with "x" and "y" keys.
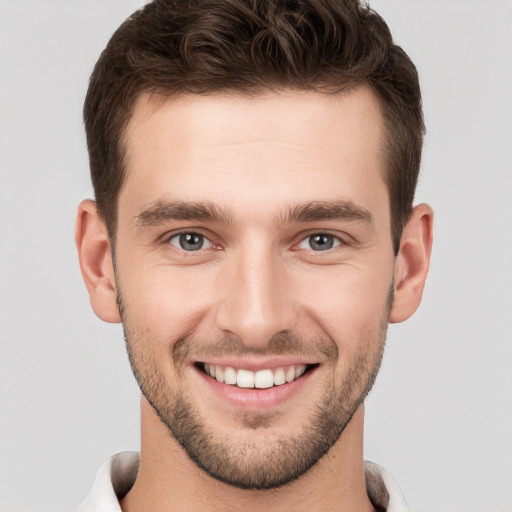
[
  {"x": 327, "y": 210},
  {"x": 160, "y": 212},
  {"x": 163, "y": 211}
]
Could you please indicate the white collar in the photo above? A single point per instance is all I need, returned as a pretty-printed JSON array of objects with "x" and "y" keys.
[{"x": 116, "y": 476}]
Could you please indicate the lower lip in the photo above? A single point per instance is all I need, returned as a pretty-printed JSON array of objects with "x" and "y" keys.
[{"x": 255, "y": 398}]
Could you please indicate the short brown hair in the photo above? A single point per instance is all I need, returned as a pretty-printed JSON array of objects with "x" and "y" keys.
[{"x": 249, "y": 46}]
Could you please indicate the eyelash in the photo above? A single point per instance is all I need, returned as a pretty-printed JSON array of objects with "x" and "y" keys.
[
  {"x": 336, "y": 241},
  {"x": 177, "y": 236}
]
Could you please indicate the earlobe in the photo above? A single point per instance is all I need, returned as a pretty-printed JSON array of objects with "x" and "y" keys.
[
  {"x": 94, "y": 253},
  {"x": 412, "y": 263}
]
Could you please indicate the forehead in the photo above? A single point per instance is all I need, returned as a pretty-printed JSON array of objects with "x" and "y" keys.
[{"x": 266, "y": 149}]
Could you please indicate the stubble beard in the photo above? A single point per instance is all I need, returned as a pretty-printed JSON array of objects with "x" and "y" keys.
[{"x": 254, "y": 462}]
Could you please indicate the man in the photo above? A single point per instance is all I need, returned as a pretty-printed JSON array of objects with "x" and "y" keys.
[{"x": 254, "y": 166}]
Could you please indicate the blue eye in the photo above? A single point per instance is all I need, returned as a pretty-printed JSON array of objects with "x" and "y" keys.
[
  {"x": 319, "y": 242},
  {"x": 190, "y": 241}
]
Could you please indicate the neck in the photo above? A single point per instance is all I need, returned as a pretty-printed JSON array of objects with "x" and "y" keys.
[{"x": 169, "y": 481}]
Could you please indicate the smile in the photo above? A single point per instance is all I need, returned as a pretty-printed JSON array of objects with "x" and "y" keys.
[{"x": 261, "y": 379}]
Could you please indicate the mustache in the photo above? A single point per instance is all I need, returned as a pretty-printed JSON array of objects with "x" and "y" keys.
[{"x": 281, "y": 344}]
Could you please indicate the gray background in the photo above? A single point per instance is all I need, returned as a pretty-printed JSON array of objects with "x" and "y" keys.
[{"x": 440, "y": 417}]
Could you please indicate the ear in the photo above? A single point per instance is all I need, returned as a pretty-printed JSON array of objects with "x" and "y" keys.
[
  {"x": 95, "y": 257},
  {"x": 412, "y": 263}
]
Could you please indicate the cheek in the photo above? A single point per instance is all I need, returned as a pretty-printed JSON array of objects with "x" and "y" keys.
[
  {"x": 354, "y": 315},
  {"x": 168, "y": 302},
  {"x": 349, "y": 304}
]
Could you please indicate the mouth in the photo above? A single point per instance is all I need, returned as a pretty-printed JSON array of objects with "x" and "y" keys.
[{"x": 261, "y": 379}]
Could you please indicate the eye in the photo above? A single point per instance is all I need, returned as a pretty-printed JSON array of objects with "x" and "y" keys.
[
  {"x": 319, "y": 242},
  {"x": 190, "y": 241}
]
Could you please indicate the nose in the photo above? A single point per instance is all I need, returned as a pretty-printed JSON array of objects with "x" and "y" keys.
[{"x": 256, "y": 302}]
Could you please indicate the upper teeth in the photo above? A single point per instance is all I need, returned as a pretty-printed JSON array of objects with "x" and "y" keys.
[{"x": 261, "y": 379}]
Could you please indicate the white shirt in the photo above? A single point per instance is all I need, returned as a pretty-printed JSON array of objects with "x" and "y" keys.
[{"x": 116, "y": 476}]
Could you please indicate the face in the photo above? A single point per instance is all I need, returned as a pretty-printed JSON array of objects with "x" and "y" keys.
[{"x": 254, "y": 265}]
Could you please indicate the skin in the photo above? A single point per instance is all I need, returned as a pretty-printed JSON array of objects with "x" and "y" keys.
[{"x": 255, "y": 161}]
